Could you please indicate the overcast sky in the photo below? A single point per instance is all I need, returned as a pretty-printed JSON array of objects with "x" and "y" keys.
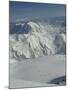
[{"x": 20, "y": 10}]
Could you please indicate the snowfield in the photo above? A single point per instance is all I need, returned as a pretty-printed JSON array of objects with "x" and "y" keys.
[{"x": 38, "y": 72}]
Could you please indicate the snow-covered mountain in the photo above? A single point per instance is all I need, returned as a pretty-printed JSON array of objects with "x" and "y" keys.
[{"x": 33, "y": 39}]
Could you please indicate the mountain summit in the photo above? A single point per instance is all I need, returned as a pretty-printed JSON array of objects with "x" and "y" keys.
[{"x": 41, "y": 39}]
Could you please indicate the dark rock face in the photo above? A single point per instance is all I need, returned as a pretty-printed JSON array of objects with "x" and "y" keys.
[{"x": 59, "y": 81}]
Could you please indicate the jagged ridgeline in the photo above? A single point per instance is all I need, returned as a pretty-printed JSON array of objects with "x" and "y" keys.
[{"x": 35, "y": 38}]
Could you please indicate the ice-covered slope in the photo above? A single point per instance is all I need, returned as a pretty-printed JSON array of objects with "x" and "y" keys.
[{"x": 41, "y": 39}]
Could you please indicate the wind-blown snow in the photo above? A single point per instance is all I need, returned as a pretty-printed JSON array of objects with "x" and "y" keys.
[{"x": 42, "y": 39}]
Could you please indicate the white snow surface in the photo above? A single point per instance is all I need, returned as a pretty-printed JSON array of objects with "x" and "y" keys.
[
  {"x": 42, "y": 39},
  {"x": 37, "y": 72}
]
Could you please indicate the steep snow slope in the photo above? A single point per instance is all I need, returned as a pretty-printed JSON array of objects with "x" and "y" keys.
[{"x": 41, "y": 39}]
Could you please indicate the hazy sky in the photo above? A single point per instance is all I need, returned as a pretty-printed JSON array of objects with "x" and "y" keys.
[{"x": 20, "y": 10}]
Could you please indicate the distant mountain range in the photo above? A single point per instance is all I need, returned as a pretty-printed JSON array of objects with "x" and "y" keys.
[{"x": 20, "y": 27}]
